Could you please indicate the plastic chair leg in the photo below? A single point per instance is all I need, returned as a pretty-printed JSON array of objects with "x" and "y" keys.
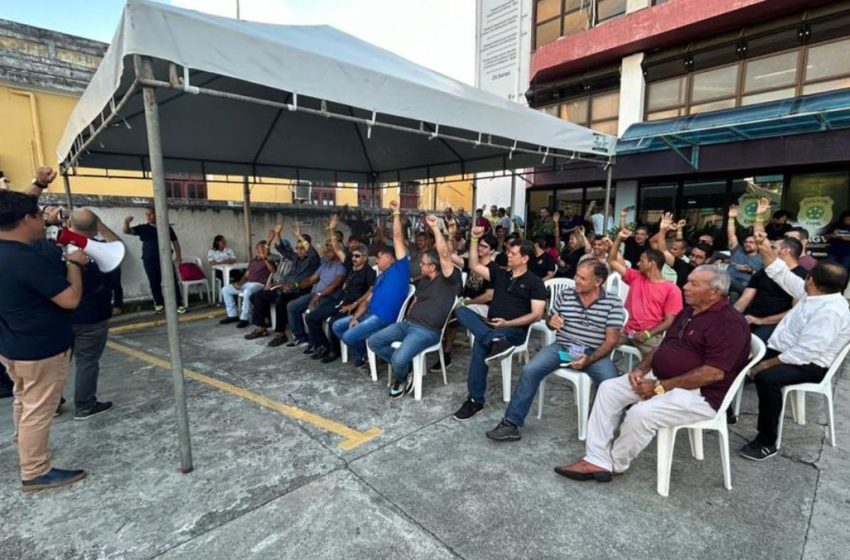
[
  {"x": 738, "y": 398},
  {"x": 799, "y": 407},
  {"x": 442, "y": 365},
  {"x": 506, "y": 378},
  {"x": 540, "y": 394},
  {"x": 373, "y": 364},
  {"x": 343, "y": 352},
  {"x": 781, "y": 421},
  {"x": 830, "y": 417},
  {"x": 695, "y": 439},
  {"x": 666, "y": 438},
  {"x": 418, "y": 371},
  {"x": 723, "y": 438},
  {"x": 583, "y": 406}
]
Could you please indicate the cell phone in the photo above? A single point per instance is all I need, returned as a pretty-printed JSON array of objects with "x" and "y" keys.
[{"x": 565, "y": 358}]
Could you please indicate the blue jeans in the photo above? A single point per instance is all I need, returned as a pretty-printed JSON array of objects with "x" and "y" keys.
[
  {"x": 545, "y": 362},
  {"x": 414, "y": 339},
  {"x": 355, "y": 337},
  {"x": 484, "y": 335},
  {"x": 295, "y": 315}
]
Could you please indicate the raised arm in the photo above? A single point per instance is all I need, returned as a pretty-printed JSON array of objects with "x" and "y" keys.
[
  {"x": 623, "y": 213},
  {"x": 731, "y": 234},
  {"x": 615, "y": 259},
  {"x": 556, "y": 220},
  {"x": 446, "y": 264},
  {"x": 659, "y": 240},
  {"x": 398, "y": 232},
  {"x": 761, "y": 215},
  {"x": 474, "y": 265},
  {"x": 589, "y": 212},
  {"x": 127, "y": 229},
  {"x": 106, "y": 233},
  {"x": 43, "y": 177}
]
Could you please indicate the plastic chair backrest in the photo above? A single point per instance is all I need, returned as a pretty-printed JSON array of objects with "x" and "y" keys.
[
  {"x": 757, "y": 351},
  {"x": 836, "y": 364},
  {"x": 556, "y": 286},
  {"x": 406, "y": 303}
]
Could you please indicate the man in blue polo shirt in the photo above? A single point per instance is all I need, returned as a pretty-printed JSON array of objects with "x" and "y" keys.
[
  {"x": 383, "y": 303},
  {"x": 36, "y": 291}
]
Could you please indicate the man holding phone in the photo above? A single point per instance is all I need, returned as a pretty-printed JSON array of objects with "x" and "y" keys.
[
  {"x": 519, "y": 299},
  {"x": 587, "y": 321}
]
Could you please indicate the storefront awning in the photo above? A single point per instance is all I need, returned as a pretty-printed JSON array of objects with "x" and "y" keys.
[{"x": 685, "y": 135}]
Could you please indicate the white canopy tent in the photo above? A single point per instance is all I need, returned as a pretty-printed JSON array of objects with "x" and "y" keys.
[{"x": 222, "y": 96}]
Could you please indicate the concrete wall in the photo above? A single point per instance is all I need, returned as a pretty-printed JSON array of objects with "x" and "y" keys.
[{"x": 195, "y": 226}]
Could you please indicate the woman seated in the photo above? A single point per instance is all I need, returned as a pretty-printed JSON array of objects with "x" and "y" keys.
[{"x": 220, "y": 254}]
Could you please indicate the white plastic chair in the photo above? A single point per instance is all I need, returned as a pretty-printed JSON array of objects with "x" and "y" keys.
[
  {"x": 614, "y": 285},
  {"x": 418, "y": 364},
  {"x": 556, "y": 287},
  {"x": 667, "y": 436},
  {"x": 507, "y": 365},
  {"x": 798, "y": 400},
  {"x": 373, "y": 363},
  {"x": 185, "y": 285}
]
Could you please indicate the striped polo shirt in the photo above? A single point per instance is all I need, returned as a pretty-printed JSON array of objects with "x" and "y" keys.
[{"x": 587, "y": 325}]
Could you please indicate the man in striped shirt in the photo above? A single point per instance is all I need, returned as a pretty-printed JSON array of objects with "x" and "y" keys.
[{"x": 588, "y": 322}]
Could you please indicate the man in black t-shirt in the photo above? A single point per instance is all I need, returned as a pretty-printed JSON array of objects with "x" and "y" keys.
[
  {"x": 542, "y": 264},
  {"x": 36, "y": 291},
  {"x": 764, "y": 303},
  {"x": 519, "y": 299},
  {"x": 90, "y": 321},
  {"x": 150, "y": 258},
  {"x": 433, "y": 301}
]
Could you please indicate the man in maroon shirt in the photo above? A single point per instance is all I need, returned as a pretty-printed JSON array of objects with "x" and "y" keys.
[{"x": 705, "y": 348}]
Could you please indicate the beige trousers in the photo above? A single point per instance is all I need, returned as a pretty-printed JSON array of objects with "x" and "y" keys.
[{"x": 38, "y": 388}]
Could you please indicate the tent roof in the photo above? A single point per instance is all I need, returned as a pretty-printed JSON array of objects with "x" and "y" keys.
[
  {"x": 798, "y": 115},
  {"x": 306, "y": 102}
]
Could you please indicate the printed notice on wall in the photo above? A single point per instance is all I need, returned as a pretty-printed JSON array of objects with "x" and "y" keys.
[{"x": 499, "y": 47}]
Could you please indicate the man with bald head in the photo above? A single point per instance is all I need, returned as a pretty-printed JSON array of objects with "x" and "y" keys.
[{"x": 90, "y": 320}]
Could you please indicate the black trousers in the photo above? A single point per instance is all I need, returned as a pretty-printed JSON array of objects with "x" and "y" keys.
[
  {"x": 113, "y": 281},
  {"x": 769, "y": 384},
  {"x": 261, "y": 304},
  {"x": 5, "y": 383},
  {"x": 154, "y": 274}
]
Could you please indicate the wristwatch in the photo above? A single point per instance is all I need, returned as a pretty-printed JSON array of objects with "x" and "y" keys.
[
  {"x": 659, "y": 388},
  {"x": 39, "y": 185}
]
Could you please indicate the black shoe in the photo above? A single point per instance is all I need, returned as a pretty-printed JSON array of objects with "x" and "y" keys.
[
  {"x": 755, "y": 451},
  {"x": 408, "y": 385},
  {"x": 309, "y": 351},
  {"x": 361, "y": 362},
  {"x": 54, "y": 478},
  {"x": 320, "y": 353},
  {"x": 296, "y": 342},
  {"x": 435, "y": 367},
  {"x": 469, "y": 409},
  {"x": 59, "y": 408},
  {"x": 329, "y": 357},
  {"x": 96, "y": 409},
  {"x": 731, "y": 419},
  {"x": 499, "y": 349},
  {"x": 505, "y": 431},
  {"x": 396, "y": 390},
  {"x": 278, "y": 339},
  {"x": 228, "y": 320},
  {"x": 242, "y": 324}
]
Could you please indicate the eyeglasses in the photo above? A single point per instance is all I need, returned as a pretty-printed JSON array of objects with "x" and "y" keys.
[
  {"x": 483, "y": 246},
  {"x": 356, "y": 256}
]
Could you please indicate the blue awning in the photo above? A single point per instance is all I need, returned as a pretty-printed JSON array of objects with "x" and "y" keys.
[{"x": 798, "y": 115}]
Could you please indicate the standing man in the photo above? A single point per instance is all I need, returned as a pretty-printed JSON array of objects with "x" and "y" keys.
[
  {"x": 432, "y": 303},
  {"x": 519, "y": 299},
  {"x": 150, "y": 258},
  {"x": 674, "y": 256},
  {"x": 36, "y": 291},
  {"x": 744, "y": 261},
  {"x": 90, "y": 320},
  {"x": 588, "y": 322},
  {"x": 652, "y": 301}
]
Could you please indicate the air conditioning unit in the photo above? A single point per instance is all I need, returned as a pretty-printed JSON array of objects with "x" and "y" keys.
[{"x": 301, "y": 190}]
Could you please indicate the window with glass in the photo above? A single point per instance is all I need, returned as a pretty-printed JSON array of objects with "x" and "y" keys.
[
  {"x": 803, "y": 70},
  {"x": 704, "y": 206},
  {"x": 561, "y": 18},
  {"x": 599, "y": 111},
  {"x": 655, "y": 200}
]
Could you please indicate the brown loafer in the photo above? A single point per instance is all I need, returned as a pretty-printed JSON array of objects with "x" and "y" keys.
[
  {"x": 256, "y": 333},
  {"x": 582, "y": 470}
]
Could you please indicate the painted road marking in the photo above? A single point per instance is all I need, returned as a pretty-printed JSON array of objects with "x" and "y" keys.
[
  {"x": 132, "y": 327},
  {"x": 351, "y": 437}
]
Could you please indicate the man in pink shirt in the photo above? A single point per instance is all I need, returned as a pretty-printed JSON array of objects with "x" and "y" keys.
[{"x": 652, "y": 301}]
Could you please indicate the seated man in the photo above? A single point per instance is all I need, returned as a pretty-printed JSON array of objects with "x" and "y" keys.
[
  {"x": 305, "y": 261},
  {"x": 432, "y": 303},
  {"x": 806, "y": 260},
  {"x": 764, "y": 303},
  {"x": 692, "y": 369},
  {"x": 804, "y": 344},
  {"x": 519, "y": 299},
  {"x": 326, "y": 291},
  {"x": 381, "y": 304},
  {"x": 259, "y": 270},
  {"x": 652, "y": 302},
  {"x": 588, "y": 322}
]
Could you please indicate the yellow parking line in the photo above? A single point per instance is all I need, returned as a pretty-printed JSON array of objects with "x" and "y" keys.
[
  {"x": 351, "y": 437},
  {"x": 131, "y": 327}
]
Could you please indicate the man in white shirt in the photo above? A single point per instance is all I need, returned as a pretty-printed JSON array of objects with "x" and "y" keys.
[{"x": 804, "y": 344}]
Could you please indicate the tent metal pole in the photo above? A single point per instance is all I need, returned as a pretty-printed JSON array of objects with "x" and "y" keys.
[
  {"x": 246, "y": 207},
  {"x": 607, "y": 200},
  {"x": 68, "y": 199},
  {"x": 513, "y": 192},
  {"x": 144, "y": 67}
]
